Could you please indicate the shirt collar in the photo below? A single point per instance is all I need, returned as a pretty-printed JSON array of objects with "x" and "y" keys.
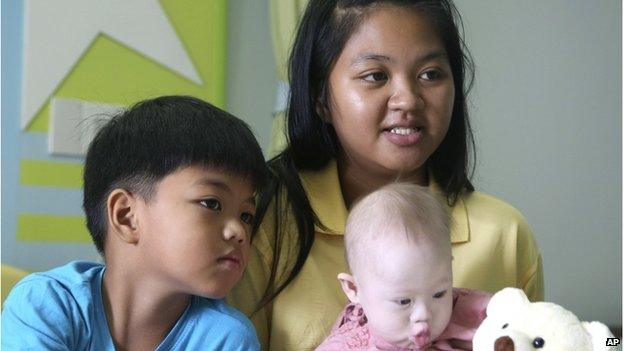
[
  {"x": 460, "y": 225},
  {"x": 323, "y": 190}
]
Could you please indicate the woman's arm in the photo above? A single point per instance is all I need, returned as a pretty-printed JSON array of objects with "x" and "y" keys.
[{"x": 530, "y": 270}]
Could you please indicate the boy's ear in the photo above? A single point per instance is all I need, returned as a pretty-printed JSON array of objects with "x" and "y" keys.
[
  {"x": 123, "y": 221},
  {"x": 348, "y": 286}
]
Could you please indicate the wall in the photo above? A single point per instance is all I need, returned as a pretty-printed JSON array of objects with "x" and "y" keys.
[
  {"x": 28, "y": 255},
  {"x": 547, "y": 113},
  {"x": 251, "y": 74},
  {"x": 177, "y": 49}
]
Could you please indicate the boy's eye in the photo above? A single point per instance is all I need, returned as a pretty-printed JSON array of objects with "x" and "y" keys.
[
  {"x": 247, "y": 217},
  {"x": 430, "y": 75},
  {"x": 375, "y": 77},
  {"x": 211, "y": 204},
  {"x": 404, "y": 302},
  {"x": 439, "y": 294}
]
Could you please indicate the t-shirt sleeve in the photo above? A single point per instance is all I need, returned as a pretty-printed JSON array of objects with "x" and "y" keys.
[
  {"x": 530, "y": 270},
  {"x": 534, "y": 285},
  {"x": 242, "y": 337},
  {"x": 38, "y": 315},
  {"x": 247, "y": 342}
]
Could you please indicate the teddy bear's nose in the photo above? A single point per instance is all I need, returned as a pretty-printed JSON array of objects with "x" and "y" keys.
[{"x": 504, "y": 343}]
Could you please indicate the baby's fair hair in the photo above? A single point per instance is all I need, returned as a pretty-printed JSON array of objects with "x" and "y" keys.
[{"x": 400, "y": 212}]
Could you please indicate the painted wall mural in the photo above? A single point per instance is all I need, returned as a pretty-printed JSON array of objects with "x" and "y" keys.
[{"x": 70, "y": 64}]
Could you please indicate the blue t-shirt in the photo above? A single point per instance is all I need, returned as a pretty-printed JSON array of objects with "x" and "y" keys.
[{"x": 62, "y": 309}]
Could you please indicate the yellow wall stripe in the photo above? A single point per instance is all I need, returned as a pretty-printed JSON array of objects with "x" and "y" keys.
[
  {"x": 54, "y": 174},
  {"x": 34, "y": 227}
]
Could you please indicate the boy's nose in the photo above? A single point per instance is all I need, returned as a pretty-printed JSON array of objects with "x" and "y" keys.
[{"x": 235, "y": 231}]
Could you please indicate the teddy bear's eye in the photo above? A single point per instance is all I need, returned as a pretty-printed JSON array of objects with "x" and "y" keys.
[
  {"x": 538, "y": 343},
  {"x": 505, "y": 325}
]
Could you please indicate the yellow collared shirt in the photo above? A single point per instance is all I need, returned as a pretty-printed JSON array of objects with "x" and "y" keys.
[{"x": 493, "y": 247}]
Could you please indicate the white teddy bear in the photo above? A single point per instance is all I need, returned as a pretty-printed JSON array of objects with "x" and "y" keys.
[{"x": 513, "y": 323}]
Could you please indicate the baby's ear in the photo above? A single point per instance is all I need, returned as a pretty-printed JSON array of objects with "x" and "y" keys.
[
  {"x": 348, "y": 286},
  {"x": 123, "y": 221}
]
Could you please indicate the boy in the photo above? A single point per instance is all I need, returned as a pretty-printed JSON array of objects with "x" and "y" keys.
[{"x": 169, "y": 199}]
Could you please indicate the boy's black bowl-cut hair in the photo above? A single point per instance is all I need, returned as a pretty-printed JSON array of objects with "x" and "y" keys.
[{"x": 152, "y": 139}]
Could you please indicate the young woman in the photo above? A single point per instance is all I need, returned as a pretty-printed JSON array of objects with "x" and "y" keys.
[{"x": 378, "y": 94}]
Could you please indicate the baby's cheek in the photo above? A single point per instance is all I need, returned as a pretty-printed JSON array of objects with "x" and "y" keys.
[
  {"x": 386, "y": 321},
  {"x": 394, "y": 324},
  {"x": 442, "y": 317}
]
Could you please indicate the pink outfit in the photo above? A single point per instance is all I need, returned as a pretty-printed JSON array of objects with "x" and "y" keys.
[{"x": 350, "y": 332}]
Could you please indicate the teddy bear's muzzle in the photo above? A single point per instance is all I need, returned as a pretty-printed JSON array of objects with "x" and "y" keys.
[{"x": 504, "y": 343}]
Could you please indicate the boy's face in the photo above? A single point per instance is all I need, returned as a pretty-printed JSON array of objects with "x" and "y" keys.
[
  {"x": 407, "y": 294},
  {"x": 195, "y": 231}
]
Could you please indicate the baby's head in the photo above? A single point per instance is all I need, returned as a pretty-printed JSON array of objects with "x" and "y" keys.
[
  {"x": 169, "y": 190},
  {"x": 399, "y": 252}
]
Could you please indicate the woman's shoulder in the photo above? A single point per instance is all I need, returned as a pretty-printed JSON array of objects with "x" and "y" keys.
[
  {"x": 494, "y": 220},
  {"x": 484, "y": 206}
]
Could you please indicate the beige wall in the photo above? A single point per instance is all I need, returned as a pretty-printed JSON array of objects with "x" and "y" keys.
[
  {"x": 547, "y": 113},
  {"x": 251, "y": 74}
]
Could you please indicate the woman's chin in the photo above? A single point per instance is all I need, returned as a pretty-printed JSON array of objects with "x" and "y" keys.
[{"x": 406, "y": 169}]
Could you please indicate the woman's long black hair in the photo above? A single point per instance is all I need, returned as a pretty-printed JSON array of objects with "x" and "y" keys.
[{"x": 323, "y": 31}]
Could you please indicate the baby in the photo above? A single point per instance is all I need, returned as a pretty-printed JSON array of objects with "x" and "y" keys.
[{"x": 399, "y": 252}]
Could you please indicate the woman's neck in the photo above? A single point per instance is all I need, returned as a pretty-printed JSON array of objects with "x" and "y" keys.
[
  {"x": 357, "y": 181},
  {"x": 138, "y": 312}
]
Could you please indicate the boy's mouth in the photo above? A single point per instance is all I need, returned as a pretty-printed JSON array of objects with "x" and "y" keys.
[{"x": 234, "y": 259}]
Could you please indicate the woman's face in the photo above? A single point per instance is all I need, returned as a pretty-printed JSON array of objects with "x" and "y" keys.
[{"x": 391, "y": 94}]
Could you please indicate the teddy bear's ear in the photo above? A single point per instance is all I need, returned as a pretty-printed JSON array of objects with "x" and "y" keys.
[
  {"x": 599, "y": 334},
  {"x": 507, "y": 301}
]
